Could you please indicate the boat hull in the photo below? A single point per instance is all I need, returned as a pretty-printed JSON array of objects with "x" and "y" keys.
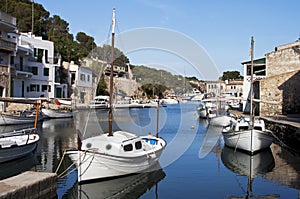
[
  {"x": 57, "y": 114},
  {"x": 13, "y": 147},
  {"x": 11, "y": 120},
  {"x": 98, "y": 166},
  {"x": 242, "y": 140}
]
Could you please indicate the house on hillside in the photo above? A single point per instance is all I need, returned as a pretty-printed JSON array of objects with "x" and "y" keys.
[
  {"x": 83, "y": 81},
  {"x": 36, "y": 70}
]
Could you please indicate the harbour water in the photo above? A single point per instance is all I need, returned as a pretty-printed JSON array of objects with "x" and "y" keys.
[{"x": 183, "y": 173}]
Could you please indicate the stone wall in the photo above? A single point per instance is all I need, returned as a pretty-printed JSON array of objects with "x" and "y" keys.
[
  {"x": 285, "y": 58},
  {"x": 284, "y": 89}
]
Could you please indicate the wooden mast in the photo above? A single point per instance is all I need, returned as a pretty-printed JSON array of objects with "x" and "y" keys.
[
  {"x": 111, "y": 81},
  {"x": 251, "y": 94}
]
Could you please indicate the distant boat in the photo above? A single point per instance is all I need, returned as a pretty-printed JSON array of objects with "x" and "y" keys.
[
  {"x": 17, "y": 144},
  {"x": 114, "y": 154},
  {"x": 51, "y": 113},
  {"x": 207, "y": 108},
  {"x": 100, "y": 102}
]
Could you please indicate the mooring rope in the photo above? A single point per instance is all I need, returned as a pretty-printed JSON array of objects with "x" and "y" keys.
[{"x": 281, "y": 143}]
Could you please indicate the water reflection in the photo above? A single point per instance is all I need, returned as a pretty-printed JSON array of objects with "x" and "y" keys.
[
  {"x": 251, "y": 166},
  {"x": 132, "y": 186},
  {"x": 15, "y": 167}
]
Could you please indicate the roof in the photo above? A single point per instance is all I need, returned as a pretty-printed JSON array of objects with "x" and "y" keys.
[{"x": 259, "y": 61}]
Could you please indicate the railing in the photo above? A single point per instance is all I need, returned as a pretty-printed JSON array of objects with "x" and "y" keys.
[
  {"x": 8, "y": 19},
  {"x": 7, "y": 45}
]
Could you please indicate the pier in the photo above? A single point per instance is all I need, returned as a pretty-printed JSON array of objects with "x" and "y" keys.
[
  {"x": 29, "y": 185},
  {"x": 286, "y": 129}
]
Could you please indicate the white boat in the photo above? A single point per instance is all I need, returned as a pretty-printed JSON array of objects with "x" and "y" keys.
[
  {"x": 169, "y": 101},
  {"x": 60, "y": 101},
  {"x": 100, "y": 102},
  {"x": 221, "y": 121},
  {"x": 51, "y": 113},
  {"x": 207, "y": 108},
  {"x": 123, "y": 153},
  {"x": 248, "y": 135},
  {"x": 239, "y": 135},
  {"x": 114, "y": 154},
  {"x": 10, "y": 119},
  {"x": 17, "y": 144}
]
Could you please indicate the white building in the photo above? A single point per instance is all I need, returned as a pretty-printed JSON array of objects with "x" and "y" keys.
[
  {"x": 37, "y": 70},
  {"x": 215, "y": 88},
  {"x": 259, "y": 72},
  {"x": 83, "y": 81}
]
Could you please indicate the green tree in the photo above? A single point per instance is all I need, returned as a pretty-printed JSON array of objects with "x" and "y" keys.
[
  {"x": 231, "y": 75},
  {"x": 86, "y": 42},
  {"x": 102, "y": 87}
]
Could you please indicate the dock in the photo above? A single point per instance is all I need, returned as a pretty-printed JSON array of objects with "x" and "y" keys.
[{"x": 29, "y": 184}]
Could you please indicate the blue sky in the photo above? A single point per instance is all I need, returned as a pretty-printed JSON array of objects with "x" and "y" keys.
[{"x": 222, "y": 28}]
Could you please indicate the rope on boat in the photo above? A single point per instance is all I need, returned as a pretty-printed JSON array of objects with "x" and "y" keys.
[
  {"x": 65, "y": 173},
  {"x": 281, "y": 143}
]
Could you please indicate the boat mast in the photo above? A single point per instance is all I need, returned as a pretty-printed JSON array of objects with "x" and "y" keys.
[
  {"x": 111, "y": 82},
  {"x": 251, "y": 93}
]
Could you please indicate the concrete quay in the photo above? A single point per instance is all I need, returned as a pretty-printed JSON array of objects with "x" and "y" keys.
[
  {"x": 29, "y": 184},
  {"x": 286, "y": 129}
]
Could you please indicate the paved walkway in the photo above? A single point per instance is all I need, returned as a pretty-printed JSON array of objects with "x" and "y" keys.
[{"x": 293, "y": 119}]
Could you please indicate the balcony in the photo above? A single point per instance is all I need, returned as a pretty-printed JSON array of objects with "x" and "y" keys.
[
  {"x": 8, "y": 45},
  {"x": 21, "y": 72},
  {"x": 8, "y": 19}
]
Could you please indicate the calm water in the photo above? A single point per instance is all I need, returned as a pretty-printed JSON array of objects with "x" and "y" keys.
[{"x": 222, "y": 173}]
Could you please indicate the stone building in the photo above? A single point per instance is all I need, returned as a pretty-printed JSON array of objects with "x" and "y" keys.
[
  {"x": 8, "y": 47},
  {"x": 282, "y": 83}
]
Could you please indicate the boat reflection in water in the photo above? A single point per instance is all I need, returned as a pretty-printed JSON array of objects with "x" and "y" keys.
[
  {"x": 132, "y": 186},
  {"x": 17, "y": 166},
  {"x": 251, "y": 166}
]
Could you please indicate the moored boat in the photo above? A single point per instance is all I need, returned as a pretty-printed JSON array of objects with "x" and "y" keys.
[
  {"x": 116, "y": 153},
  {"x": 17, "y": 144},
  {"x": 51, "y": 113}
]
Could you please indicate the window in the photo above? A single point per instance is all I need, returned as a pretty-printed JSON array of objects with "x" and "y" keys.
[
  {"x": 12, "y": 60},
  {"x": 82, "y": 77},
  {"x": 138, "y": 145},
  {"x": 34, "y": 70},
  {"x": 49, "y": 88},
  {"x": 88, "y": 78},
  {"x": 34, "y": 88},
  {"x": 46, "y": 56},
  {"x": 46, "y": 71},
  {"x": 128, "y": 147},
  {"x": 38, "y": 54},
  {"x": 44, "y": 88}
]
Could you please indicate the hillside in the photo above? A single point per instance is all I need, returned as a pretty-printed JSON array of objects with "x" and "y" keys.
[{"x": 146, "y": 75}]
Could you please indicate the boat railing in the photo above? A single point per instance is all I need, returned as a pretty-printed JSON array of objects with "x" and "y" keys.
[{"x": 19, "y": 132}]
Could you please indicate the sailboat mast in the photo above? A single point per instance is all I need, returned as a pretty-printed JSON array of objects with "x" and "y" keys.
[
  {"x": 251, "y": 84},
  {"x": 251, "y": 96},
  {"x": 111, "y": 81}
]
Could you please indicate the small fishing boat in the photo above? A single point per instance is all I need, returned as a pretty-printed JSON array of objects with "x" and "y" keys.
[
  {"x": 58, "y": 113},
  {"x": 248, "y": 134},
  {"x": 17, "y": 144},
  {"x": 11, "y": 119},
  {"x": 113, "y": 154}
]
